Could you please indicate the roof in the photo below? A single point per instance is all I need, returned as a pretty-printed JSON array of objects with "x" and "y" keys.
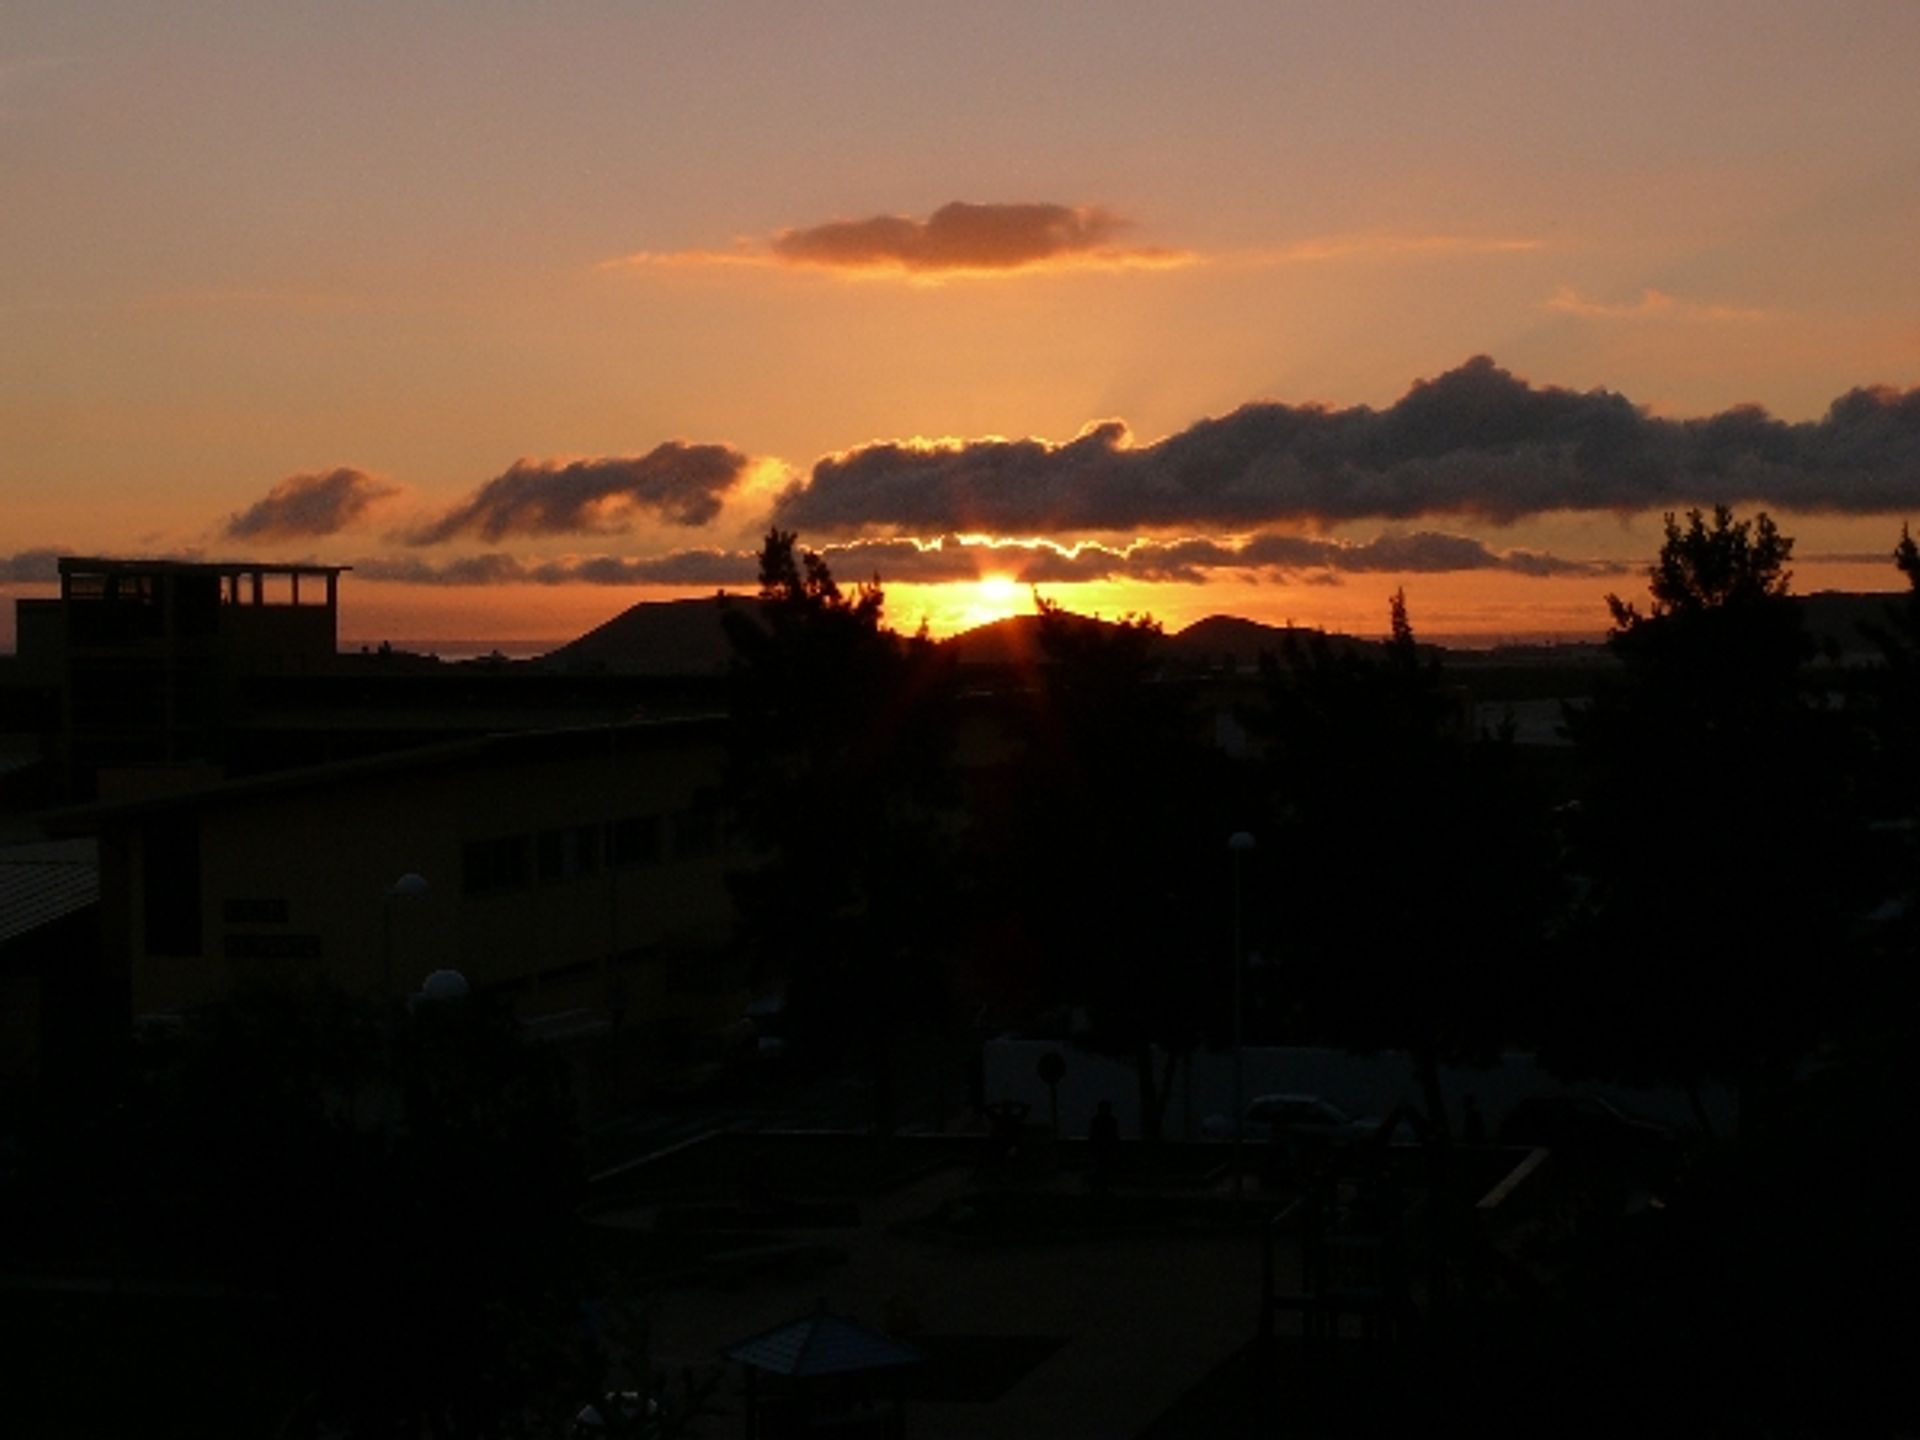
[
  {"x": 505, "y": 748},
  {"x": 42, "y": 883},
  {"x": 822, "y": 1344},
  {"x": 94, "y": 564}
]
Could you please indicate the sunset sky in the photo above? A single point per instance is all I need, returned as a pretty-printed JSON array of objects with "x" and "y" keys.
[{"x": 530, "y": 311}]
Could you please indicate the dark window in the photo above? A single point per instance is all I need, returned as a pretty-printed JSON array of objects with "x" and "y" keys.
[
  {"x": 696, "y": 832},
  {"x": 170, "y": 854},
  {"x": 636, "y": 840},
  {"x": 493, "y": 867},
  {"x": 551, "y": 849},
  {"x": 246, "y": 911},
  {"x": 254, "y": 946},
  {"x": 567, "y": 854}
]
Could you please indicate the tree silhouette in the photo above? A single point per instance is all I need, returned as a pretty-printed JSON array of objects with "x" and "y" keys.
[
  {"x": 1891, "y": 788},
  {"x": 1112, "y": 853},
  {"x": 1412, "y": 884},
  {"x": 1718, "y": 831},
  {"x": 1895, "y": 691},
  {"x": 423, "y": 1255},
  {"x": 838, "y": 763}
]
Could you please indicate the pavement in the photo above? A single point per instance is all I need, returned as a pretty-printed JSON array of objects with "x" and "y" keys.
[{"x": 1141, "y": 1318}]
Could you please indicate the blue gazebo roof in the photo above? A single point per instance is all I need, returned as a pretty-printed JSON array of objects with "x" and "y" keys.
[{"x": 821, "y": 1344}]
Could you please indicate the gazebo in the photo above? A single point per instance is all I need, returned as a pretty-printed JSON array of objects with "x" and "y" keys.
[{"x": 824, "y": 1374}]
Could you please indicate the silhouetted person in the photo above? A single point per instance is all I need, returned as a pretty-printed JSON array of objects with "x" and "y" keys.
[
  {"x": 1103, "y": 1144},
  {"x": 1473, "y": 1125}
]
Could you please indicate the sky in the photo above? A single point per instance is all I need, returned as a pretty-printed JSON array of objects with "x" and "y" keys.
[{"x": 529, "y": 312}]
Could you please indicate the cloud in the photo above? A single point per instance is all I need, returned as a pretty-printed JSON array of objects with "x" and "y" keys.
[
  {"x": 31, "y": 567},
  {"x": 1652, "y": 305},
  {"x": 955, "y": 559},
  {"x": 680, "y": 567},
  {"x": 303, "y": 506},
  {"x": 1475, "y": 441},
  {"x": 681, "y": 483},
  {"x": 957, "y": 239}
]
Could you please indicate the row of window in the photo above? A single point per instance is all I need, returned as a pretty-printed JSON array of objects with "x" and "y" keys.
[{"x": 505, "y": 863}]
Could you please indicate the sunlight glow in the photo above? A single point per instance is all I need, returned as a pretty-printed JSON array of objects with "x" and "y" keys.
[
  {"x": 990, "y": 598},
  {"x": 1000, "y": 592}
]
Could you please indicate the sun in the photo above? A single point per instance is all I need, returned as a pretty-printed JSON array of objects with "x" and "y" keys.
[
  {"x": 999, "y": 593},
  {"x": 990, "y": 598}
]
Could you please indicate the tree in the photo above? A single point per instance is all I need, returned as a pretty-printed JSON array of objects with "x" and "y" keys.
[
  {"x": 1890, "y": 707},
  {"x": 1718, "y": 828},
  {"x": 426, "y": 1269},
  {"x": 1735, "y": 563},
  {"x": 1111, "y": 856},
  {"x": 838, "y": 762},
  {"x": 1723, "y": 638},
  {"x": 1894, "y": 694},
  {"x": 1412, "y": 882}
]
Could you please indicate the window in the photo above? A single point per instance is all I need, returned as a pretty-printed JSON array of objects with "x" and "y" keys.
[
  {"x": 636, "y": 840},
  {"x": 550, "y": 850},
  {"x": 696, "y": 832},
  {"x": 254, "y": 946},
  {"x": 254, "y": 911},
  {"x": 568, "y": 854},
  {"x": 586, "y": 850},
  {"x": 494, "y": 867}
]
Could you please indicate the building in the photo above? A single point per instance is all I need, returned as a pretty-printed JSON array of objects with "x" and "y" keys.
[
  {"x": 147, "y": 655},
  {"x": 53, "y": 988},
  {"x": 578, "y": 871}
]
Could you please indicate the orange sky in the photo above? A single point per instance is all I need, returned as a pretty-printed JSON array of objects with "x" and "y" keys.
[{"x": 463, "y": 295}]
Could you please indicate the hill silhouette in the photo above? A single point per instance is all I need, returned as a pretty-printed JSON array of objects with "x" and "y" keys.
[
  {"x": 655, "y": 637},
  {"x": 685, "y": 637}
]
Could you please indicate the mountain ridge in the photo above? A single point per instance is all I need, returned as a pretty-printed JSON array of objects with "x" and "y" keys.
[{"x": 686, "y": 637}]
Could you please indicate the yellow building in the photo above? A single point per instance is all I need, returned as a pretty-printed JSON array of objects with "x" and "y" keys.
[{"x": 579, "y": 870}]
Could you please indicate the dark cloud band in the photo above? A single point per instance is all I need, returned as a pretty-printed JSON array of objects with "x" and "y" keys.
[
  {"x": 680, "y": 483},
  {"x": 305, "y": 506},
  {"x": 952, "y": 560},
  {"x": 960, "y": 236},
  {"x": 1474, "y": 441}
]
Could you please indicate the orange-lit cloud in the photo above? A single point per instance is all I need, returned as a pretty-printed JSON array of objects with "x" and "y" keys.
[
  {"x": 304, "y": 506},
  {"x": 680, "y": 483},
  {"x": 1475, "y": 441},
  {"x": 957, "y": 239},
  {"x": 1651, "y": 305},
  {"x": 956, "y": 559}
]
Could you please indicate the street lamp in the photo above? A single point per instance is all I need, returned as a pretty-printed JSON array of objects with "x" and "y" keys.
[{"x": 1238, "y": 844}]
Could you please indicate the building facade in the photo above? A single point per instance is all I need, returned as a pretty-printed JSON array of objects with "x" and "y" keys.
[{"x": 579, "y": 870}]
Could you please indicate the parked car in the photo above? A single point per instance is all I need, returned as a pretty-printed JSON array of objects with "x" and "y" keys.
[
  {"x": 1291, "y": 1117},
  {"x": 1597, "y": 1133}
]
